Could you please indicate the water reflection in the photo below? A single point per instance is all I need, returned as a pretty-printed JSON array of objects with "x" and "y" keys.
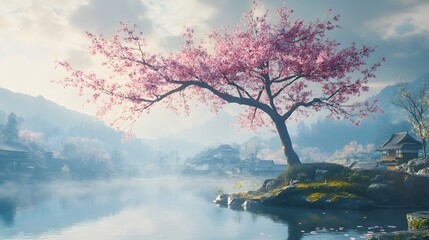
[
  {"x": 13, "y": 197},
  {"x": 168, "y": 208},
  {"x": 7, "y": 211},
  {"x": 303, "y": 222}
]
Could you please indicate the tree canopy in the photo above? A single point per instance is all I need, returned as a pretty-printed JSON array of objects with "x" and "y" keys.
[
  {"x": 278, "y": 70},
  {"x": 10, "y": 129}
]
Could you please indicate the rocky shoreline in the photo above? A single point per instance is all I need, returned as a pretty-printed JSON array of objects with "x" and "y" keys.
[
  {"x": 418, "y": 228},
  {"x": 335, "y": 187},
  {"x": 331, "y": 186}
]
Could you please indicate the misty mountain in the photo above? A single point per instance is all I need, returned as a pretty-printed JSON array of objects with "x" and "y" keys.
[
  {"x": 57, "y": 123},
  {"x": 330, "y": 135},
  {"x": 27, "y": 107}
]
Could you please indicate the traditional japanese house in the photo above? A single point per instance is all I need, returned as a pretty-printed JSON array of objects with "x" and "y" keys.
[
  {"x": 13, "y": 158},
  {"x": 216, "y": 159},
  {"x": 400, "y": 148}
]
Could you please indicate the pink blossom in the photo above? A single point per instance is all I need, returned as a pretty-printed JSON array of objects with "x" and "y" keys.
[{"x": 280, "y": 71}]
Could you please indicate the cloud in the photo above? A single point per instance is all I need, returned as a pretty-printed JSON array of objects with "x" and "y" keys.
[
  {"x": 104, "y": 16},
  {"x": 407, "y": 22},
  {"x": 226, "y": 12},
  {"x": 405, "y": 54},
  {"x": 170, "y": 16},
  {"x": 28, "y": 21}
]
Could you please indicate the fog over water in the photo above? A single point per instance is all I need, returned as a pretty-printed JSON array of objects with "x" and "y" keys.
[
  {"x": 169, "y": 208},
  {"x": 53, "y": 150}
]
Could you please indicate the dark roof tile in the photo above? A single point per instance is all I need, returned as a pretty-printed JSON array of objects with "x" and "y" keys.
[{"x": 400, "y": 141}]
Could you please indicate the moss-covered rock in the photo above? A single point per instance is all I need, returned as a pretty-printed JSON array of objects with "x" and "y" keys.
[
  {"x": 221, "y": 199},
  {"x": 329, "y": 186},
  {"x": 305, "y": 172},
  {"x": 316, "y": 196},
  {"x": 340, "y": 188},
  {"x": 235, "y": 202},
  {"x": 382, "y": 193},
  {"x": 418, "y": 220},
  {"x": 269, "y": 185},
  {"x": 403, "y": 235}
]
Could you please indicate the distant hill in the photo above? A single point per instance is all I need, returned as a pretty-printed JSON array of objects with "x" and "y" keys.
[
  {"x": 42, "y": 115},
  {"x": 330, "y": 135},
  {"x": 28, "y": 106},
  {"x": 47, "y": 117}
]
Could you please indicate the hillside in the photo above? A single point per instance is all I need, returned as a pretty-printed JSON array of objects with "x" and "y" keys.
[
  {"x": 38, "y": 107},
  {"x": 58, "y": 123}
]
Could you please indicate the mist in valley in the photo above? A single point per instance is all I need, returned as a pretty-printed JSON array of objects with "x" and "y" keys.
[{"x": 150, "y": 134}]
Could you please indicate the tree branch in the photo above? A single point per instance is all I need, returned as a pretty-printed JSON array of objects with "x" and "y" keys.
[
  {"x": 287, "y": 85},
  {"x": 300, "y": 104}
]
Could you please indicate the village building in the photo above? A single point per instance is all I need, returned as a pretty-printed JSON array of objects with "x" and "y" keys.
[
  {"x": 215, "y": 159},
  {"x": 226, "y": 159},
  {"x": 15, "y": 159},
  {"x": 400, "y": 148},
  {"x": 264, "y": 167}
]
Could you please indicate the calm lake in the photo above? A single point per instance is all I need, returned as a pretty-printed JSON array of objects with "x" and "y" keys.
[{"x": 169, "y": 208}]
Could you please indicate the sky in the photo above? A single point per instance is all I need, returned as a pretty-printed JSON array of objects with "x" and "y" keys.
[{"x": 36, "y": 33}]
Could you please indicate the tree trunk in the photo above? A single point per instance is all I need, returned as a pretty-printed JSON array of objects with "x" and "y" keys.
[
  {"x": 424, "y": 147},
  {"x": 291, "y": 156}
]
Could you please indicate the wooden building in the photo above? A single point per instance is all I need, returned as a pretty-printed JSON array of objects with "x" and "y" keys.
[
  {"x": 400, "y": 148},
  {"x": 215, "y": 159},
  {"x": 14, "y": 158}
]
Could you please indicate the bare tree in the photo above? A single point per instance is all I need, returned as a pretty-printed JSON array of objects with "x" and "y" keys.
[{"x": 415, "y": 102}]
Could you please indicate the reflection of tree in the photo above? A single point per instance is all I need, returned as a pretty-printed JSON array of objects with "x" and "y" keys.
[
  {"x": 7, "y": 211},
  {"x": 307, "y": 220},
  {"x": 238, "y": 216}
]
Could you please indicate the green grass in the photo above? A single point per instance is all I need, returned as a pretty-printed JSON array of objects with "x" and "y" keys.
[
  {"x": 359, "y": 178},
  {"x": 330, "y": 186},
  {"x": 336, "y": 184},
  {"x": 313, "y": 197}
]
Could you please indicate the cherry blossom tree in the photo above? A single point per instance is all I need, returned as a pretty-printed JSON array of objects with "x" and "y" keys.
[{"x": 278, "y": 70}]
